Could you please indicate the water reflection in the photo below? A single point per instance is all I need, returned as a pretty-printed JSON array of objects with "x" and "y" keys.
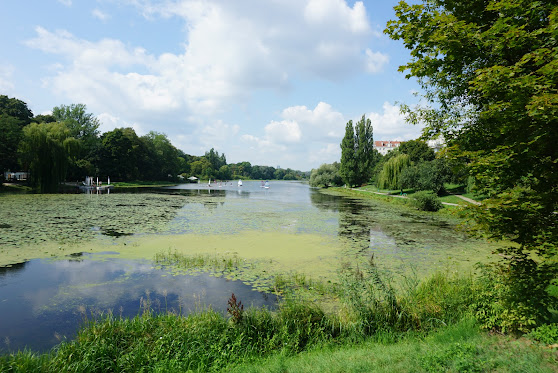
[
  {"x": 12, "y": 268},
  {"x": 43, "y": 300},
  {"x": 326, "y": 202}
]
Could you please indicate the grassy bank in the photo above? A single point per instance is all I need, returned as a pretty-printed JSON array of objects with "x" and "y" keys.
[{"x": 418, "y": 326}]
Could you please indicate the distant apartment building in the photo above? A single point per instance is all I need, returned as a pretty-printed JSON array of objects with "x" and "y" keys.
[{"x": 383, "y": 147}]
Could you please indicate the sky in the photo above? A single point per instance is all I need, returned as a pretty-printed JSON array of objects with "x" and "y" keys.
[{"x": 271, "y": 82}]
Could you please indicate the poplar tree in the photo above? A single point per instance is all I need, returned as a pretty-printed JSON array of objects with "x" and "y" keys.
[
  {"x": 349, "y": 167},
  {"x": 364, "y": 150}
]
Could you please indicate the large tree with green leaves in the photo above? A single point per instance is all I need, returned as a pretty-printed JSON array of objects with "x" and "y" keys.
[
  {"x": 14, "y": 115},
  {"x": 489, "y": 70},
  {"x": 349, "y": 166},
  {"x": 46, "y": 150},
  {"x": 84, "y": 127},
  {"x": 357, "y": 153},
  {"x": 365, "y": 152}
]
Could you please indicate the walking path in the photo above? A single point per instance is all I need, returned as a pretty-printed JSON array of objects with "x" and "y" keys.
[
  {"x": 468, "y": 199},
  {"x": 400, "y": 196}
]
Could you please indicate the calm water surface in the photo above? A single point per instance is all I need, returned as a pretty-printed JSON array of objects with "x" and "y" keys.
[{"x": 43, "y": 301}]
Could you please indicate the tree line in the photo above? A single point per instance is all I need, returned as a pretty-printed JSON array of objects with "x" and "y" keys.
[{"x": 67, "y": 145}]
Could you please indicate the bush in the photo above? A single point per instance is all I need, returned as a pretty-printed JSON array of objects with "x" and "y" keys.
[
  {"x": 325, "y": 176},
  {"x": 426, "y": 201},
  {"x": 547, "y": 334},
  {"x": 511, "y": 296}
]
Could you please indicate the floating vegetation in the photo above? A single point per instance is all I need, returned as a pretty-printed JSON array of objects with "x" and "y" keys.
[
  {"x": 255, "y": 273},
  {"x": 215, "y": 262}
]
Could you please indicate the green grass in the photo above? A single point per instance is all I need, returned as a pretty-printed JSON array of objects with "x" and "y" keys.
[
  {"x": 454, "y": 199},
  {"x": 418, "y": 326},
  {"x": 457, "y": 348},
  {"x": 14, "y": 188}
]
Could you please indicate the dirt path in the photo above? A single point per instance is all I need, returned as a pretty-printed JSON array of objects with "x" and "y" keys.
[
  {"x": 468, "y": 199},
  {"x": 404, "y": 196}
]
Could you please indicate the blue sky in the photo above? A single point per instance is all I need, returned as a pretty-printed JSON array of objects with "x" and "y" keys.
[{"x": 272, "y": 82}]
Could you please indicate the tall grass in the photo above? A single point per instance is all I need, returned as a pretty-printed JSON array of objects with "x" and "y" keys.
[{"x": 370, "y": 308}]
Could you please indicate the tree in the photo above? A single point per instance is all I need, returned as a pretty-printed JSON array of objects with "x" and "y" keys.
[
  {"x": 162, "y": 157},
  {"x": 365, "y": 152},
  {"x": 123, "y": 155},
  {"x": 325, "y": 176},
  {"x": 10, "y": 136},
  {"x": 426, "y": 176},
  {"x": 358, "y": 155},
  {"x": 349, "y": 167},
  {"x": 46, "y": 150},
  {"x": 488, "y": 70},
  {"x": 390, "y": 176},
  {"x": 14, "y": 115},
  {"x": 15, "y": 108},
  {"x": 417, "y": 150},
  {"x": 84, "y": 127}
]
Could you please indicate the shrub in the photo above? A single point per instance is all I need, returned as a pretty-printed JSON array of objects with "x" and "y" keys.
[
  {"x": 426, "y": 201},
  {"x": 511, "y": 295},
  {"x": 547, "y": 334}
]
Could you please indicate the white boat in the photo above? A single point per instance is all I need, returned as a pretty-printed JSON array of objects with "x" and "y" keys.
[
  {"x": 266, "y": 185},
  {"x": 239, "y": 183}
]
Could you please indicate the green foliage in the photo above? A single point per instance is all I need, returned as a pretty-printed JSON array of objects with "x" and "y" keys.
[
  {"x": 82, "y": 125},
  {"x": 390, "y": 176},
  {"x": 370, "y": 294},
  {"x": 511, "y": 295},
  {"x": 10, "y": 136},
  {"x": 14, "y": 115},
  {"x": 489, "y": 73},
  {"x": 365, "y": 153},
  {"x": 15, "y": 108},
  {"x": 426, "y": 201},
  {"x": 121, "y": 154},
  {"x": 46, "y": 149},
  {"x": 326, "y": 175},
  {"x": 349, "y": 167},
  {"x": 417, "y": 150},
  {"x": 358, "y": 156},
  {"x": 429, "y": 175},
  {"x": 547, "y": 334}
]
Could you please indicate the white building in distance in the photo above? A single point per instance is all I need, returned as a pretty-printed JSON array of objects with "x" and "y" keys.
[{"x": 383, "y": 147}]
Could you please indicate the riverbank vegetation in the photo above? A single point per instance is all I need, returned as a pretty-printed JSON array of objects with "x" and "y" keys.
[
  {"x": 67, "y": 146},
  {"x": 439, "y": 317}
]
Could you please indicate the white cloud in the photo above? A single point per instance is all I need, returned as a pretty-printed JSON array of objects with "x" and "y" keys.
[
  {"x": 321, "y": 123},
  {"x": 100, "y": 15},
  {"x": 327, "y": 12},
  {"x": 217, "y": 133},
  {"x": 328, "y": 154},
  {"x": 285, "y": 131},
  {"x": 391, "y": 125},
  {"x": 375, "y": 61},
  {"x": 65, "y": 2},
  {"x": 110, "y": 122}
]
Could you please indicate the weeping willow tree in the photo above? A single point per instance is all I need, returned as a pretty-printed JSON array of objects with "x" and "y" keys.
[
  {"x": 390, "y": 176},
  {"x": 46, "y": 151}
]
